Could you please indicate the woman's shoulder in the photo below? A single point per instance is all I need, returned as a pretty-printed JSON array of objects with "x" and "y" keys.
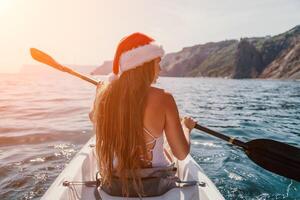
[
  {"x": 162, "y": 96},
  {"x": 160, "y": 93}
]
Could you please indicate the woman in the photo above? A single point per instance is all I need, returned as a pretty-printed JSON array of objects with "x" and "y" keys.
[{"x": 131, "y": 117}]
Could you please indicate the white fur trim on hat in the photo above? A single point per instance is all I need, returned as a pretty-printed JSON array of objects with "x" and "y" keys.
[{"x": 138, "y": 56}]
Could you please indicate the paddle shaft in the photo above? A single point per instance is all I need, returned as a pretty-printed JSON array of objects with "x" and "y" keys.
[
  {"x": 223, "y": 137},
  {"x": 79, "y": 75}
]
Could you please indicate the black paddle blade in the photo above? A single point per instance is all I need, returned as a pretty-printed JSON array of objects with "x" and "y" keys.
[{"x": 276, "y": 157}]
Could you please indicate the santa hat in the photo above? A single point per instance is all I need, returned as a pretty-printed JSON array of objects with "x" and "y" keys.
[{"x": 133, "y": 51}]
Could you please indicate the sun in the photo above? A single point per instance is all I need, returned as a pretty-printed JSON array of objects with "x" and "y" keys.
[{"x": 5, "y": 5}]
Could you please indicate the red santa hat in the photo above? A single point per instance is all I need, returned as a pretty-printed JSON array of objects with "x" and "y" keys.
[{"x": 133, "y": 51}]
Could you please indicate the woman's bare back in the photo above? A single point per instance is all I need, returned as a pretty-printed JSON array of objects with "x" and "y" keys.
[
  {"x": 161, "y": 114},
  {"x": 154, "y": 117}
]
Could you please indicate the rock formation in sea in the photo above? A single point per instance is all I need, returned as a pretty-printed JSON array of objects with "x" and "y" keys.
[{"x": 248, "y": 61}]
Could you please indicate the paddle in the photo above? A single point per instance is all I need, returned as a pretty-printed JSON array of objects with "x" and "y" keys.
[
  {"x": 274, "y": 156},
  {"x": 48, "y": 60}
]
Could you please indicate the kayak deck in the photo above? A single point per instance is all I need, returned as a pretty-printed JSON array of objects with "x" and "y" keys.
[{"x": 83, "y": 167}]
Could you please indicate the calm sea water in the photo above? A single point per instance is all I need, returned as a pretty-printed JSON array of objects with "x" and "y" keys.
[{"x": 44, "y": 122}]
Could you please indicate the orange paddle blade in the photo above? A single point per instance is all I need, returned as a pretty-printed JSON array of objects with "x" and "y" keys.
[
  {"x": 45, "y": 58},
  {"x": 48, "y": 60}
]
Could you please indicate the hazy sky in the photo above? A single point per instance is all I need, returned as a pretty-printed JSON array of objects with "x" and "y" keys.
[{"x": 87, "y": 32}]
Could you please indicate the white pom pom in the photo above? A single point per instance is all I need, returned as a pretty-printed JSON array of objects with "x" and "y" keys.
[{"x": 112, "y": 76}]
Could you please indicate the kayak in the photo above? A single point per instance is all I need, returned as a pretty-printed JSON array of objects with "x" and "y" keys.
[{"x": 83, "y": 168}]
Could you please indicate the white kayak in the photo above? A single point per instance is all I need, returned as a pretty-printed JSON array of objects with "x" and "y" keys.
[{"x": 83, "y": 167}]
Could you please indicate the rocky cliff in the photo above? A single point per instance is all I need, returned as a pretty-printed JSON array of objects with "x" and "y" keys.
[{"x": 259, "y": 57}]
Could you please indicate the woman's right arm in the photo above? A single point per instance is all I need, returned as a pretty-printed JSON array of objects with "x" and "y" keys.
[{"x": 177, "y": 132}]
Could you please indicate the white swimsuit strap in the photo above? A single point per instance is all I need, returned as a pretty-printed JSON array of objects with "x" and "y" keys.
[
  {"x": 148, "y": 132},
  {"x": 157, "y": 151},
  {"x": 154, "y": 138}
]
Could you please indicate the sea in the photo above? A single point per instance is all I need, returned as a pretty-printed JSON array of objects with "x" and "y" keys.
[{"x": 44, "y": 122}]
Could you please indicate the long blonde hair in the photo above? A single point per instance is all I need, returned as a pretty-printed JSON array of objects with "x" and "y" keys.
[{"x": 118, "y": 117}]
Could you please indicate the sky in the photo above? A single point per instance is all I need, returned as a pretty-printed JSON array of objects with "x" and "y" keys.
[{"x": 87, "y": 32}]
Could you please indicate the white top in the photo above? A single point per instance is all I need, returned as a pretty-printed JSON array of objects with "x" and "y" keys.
[{"x": 158, "y": 156}]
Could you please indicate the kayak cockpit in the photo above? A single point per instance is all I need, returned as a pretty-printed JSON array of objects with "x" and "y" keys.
[{"x": 83, "y": 167}]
